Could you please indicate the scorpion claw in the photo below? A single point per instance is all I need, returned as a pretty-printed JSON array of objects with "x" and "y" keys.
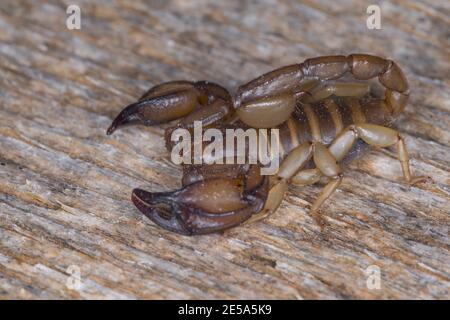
[
  {"x": 153, "y": 207},
  {"x": 202, "y": 207},
  {"x": 157, "y": 109},
  {"x": 128, "y": 115}
]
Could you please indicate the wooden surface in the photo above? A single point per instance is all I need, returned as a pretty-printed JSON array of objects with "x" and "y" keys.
[{"x": 65, "y": 186}]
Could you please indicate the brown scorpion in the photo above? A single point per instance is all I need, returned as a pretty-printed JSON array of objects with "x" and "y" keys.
[{"x": 328, "y": 111}]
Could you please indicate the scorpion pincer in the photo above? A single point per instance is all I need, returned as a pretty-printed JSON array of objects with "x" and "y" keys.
[{"x": 328, "y": 111}]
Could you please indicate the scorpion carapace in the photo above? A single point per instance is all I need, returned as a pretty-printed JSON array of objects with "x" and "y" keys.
[{"x": 327, "y": 110}]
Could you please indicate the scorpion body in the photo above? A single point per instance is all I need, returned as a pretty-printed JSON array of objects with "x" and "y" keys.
[{"x": 328, "y": 111}]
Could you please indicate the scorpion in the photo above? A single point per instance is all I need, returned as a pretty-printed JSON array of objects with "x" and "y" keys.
[{"x": 328, "y": 110}]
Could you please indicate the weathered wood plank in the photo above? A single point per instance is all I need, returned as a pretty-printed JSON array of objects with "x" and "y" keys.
[{"x": 65, "y": 185}]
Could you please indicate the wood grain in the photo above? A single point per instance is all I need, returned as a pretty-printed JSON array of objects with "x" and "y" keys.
[{"x": 65, "y": 186}]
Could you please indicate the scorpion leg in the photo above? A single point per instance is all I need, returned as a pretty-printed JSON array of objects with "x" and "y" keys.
[
  {"x": 176, "y": 100},
  {"x": 325, "y": 161},
  {"x": 327, "y": 164},
  {"x": 294, "y": 161},
  {"x": 378, "y": 136},
  {"x": 307, "y": 177}
]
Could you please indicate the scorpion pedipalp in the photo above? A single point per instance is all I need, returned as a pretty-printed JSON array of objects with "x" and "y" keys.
[
  {"x": 204, "y": 206},
  {"x": 174, "y": 101},
  {"x": 156, "y": 110}
]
